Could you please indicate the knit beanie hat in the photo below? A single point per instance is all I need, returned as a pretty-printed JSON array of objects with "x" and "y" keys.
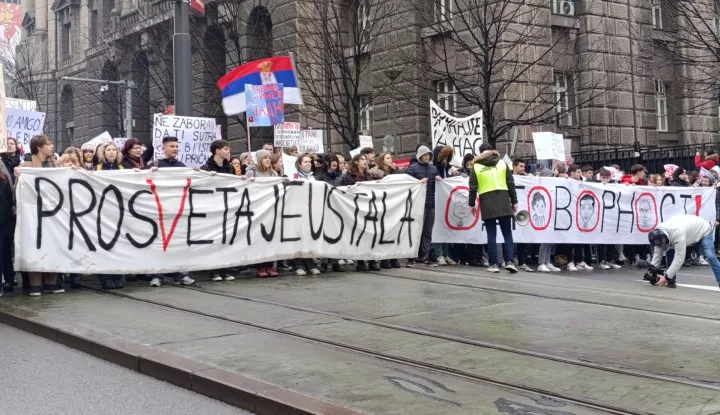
[{"x": 262, "y": 153}]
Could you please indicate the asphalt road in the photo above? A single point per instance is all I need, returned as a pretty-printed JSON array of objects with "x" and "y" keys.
[{"x": 38, "y": 376}]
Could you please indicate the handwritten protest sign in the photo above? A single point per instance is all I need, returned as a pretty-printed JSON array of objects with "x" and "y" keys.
[
  {"x": 194, "y": 136},
  {"x": 366, "y": 141},
  {"x": 287, "y": 134},
  {"x": 102, "y": 138},
  {"x": 120, "y": 142},
  {"x": 21, "y": 104},
  {"x": 23, "y": 125},
  {"x": 464, "y": 135},
  {"x": 311, "y": 141},
  {"x": 264, "y": 105},
  {"x": 549, "y": 146},
  {"x": 572, "y": 210},
  {"x": 125, "y": 222},
  {"x": 289, "y": 169}
]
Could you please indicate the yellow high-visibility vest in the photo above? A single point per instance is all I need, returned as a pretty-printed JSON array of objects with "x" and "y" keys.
[
  {"x": 99, "y": 167},
  {"x": 491, "y": 178}
]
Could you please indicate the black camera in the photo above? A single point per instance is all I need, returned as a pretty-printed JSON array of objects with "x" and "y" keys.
[{"x": 653, "y": 274}]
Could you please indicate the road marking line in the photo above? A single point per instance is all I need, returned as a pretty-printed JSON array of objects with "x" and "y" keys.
[
  {"x": 696, "y": 275},
  {"x": 698, "y": 287}
]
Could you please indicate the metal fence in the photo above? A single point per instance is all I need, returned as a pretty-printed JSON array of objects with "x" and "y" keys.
[{"x": 652, "y": 158}]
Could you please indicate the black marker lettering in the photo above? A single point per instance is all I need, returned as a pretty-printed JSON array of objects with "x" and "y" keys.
[
  {"x": 121, "y": 212},
  {"x": 606, "y": 206},
  {"x": 131, "y": 209},
  {"x": 372, "y": 207},
  {"x": 626, "y": 212},
  {"x": 247, "y": 213},
  {"x": 225, "y": 191},
  {"x": 313, "y": 233},
  {"x": 564, "y": 208},
  {"x": 335, "y": 240},
  {"x": 382, "y": 223},
  {"x": 685, "y": 200},
  {"x": 283, "y": 216},
  {"x": 407, "y": 218},
  {"x": 45, "y": 213},
  {"x": 75, "y": 215},
  {"x": 192, "y": 215},
  {"x": 662, "y": 204},
  {"x": 269, "y": 236}
]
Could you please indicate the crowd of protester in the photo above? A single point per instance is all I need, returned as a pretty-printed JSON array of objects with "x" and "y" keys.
[{"x": 333, "y": 168}]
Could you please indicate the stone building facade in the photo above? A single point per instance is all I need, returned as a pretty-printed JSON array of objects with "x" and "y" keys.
[{"x": 609, "y": 67}]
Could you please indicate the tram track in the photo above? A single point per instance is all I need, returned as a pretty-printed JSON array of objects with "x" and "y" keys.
[{"x": 430, "y": 367}]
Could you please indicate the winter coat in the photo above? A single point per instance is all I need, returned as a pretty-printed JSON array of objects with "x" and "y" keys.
[
  {"x": 11, "y": 162},
  {"x": 676, "y": 181},
  {"x": 164, "y": 162},
  {"x": 427, "y": 171},
  {"x": 627, "y": 179},
  {"x": 682, "y": 231},
  {"x": 300, "y": 175},
  {"x": 495, "y": 203},
  {"x": 211, "y": 165},
  {"x": 7, "y": 202},
  {"x": 717, "y": 204},
  {"x": 708, "y": 164},
  {"x": 443, "y": 168},
  {"x": 377, "y": 173},
  {"x": 331, "y": 178},
  {"x": 129, "y": 163},
  {"x": 252, "y": 171},
  {"x": 350, "y": 179},
  {"x": 108, "y": 166}
]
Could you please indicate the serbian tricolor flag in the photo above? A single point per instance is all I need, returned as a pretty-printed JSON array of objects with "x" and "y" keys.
[{"x": 277, "y": 70}]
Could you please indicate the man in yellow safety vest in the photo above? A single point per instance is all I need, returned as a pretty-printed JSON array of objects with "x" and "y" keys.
[{"x": 493, "y": 182}]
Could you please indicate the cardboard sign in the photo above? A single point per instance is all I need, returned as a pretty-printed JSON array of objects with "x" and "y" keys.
[
  {"x": 264, "y": 105},
  {"x": 194, "y": 136}
]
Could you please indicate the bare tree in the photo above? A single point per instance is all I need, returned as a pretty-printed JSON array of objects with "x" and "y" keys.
[
  {"x": 27, "y": 73},
  {"x": 502, "y": 57},
  {"x": 334, "y": 62}
]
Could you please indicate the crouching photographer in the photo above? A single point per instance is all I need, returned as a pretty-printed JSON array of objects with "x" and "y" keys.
[{"x": 673, "y": 237}]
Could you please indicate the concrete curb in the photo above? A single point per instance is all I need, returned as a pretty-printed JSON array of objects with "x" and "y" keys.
[{"x": 253, "y": 395}]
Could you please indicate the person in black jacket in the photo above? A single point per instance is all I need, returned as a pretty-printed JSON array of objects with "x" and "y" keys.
[
  {"x": 7, "y": 223},
  {"x": 358, "y": 172},
  {"x": 330, "y": 172},
  {"x": 219, "y": 162},
  {"x": 424, "y": 170},
  {"x": 133, "y": 155}
]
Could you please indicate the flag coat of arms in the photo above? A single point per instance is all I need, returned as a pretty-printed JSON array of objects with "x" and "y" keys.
[{"x": 277, "y": 70}]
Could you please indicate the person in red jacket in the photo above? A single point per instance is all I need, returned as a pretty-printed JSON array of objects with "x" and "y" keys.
[
  {"x": 636, "y": 176},
  {"x": 711, "y": 160}
]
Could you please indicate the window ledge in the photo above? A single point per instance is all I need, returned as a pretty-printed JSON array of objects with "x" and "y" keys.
[
  {"x": 437, "y": 28},
  {"x": 661, "y": 35},
  {"x": 571, "y": 22}
]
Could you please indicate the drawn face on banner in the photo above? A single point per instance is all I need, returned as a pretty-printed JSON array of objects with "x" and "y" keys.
[
  {"x": 587, "y": 210},
  {"x": 539, "y": 201},
  {"x": 461, "y": 210},
  {"x": 457, "y": 210}
]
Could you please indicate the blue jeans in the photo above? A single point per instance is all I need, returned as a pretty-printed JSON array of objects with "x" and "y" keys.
[
  {"x": 508, "y": 246},
  {"x": 708, "y": 248}
]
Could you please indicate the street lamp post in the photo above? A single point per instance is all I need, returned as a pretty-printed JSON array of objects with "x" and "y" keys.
[
  {"x": 181, "y": 59},
  {"x": 125, "y": 83}
]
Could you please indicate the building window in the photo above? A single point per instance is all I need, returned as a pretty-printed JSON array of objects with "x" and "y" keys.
[
  {"x": 66, "y": 50},
  {"x": 563, "y": 95},
  {"x": 656, "y": 14},
  {"x": 363, "y": 25},
  {"x": 93, "y": 25},
  {"x": 443, "y": 10},
  {"x": 661, "y": 105},
  {"x": 446, "y": 96},
  {"x": 366, "y": 115}
]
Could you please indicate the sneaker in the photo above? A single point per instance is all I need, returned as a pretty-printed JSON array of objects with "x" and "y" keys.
[
  {"x": 584, "y": 266},
  {"x": 229, "y": 278},
  {"x": 604, "y": 265},
  {"x": 337, "y": 268},
  {"x": 543, "y": 268},
  {"x": 272, "y": 272},
  {"x": 394, "y": 263},
  {"x": 217, "y": 277},
  {"x": 450, "y": 261},
  {"x": 702, "y": 261},
  {"x": 35, "y": 291},
  {"x": 526, "y": 268},
  {"x": 341, "y": 262},
  {"x": 155, "y": 282},
  {"x": 485, "y": 263},
  {"x": 622, "y": 257},
  {"x": 614, "y": 265},
  {"x": 571, "y": 267},
  {"x": 374, "y": 266},
  {"x": 431, "y": 263},
  {"x": 53, "y": 289},
  {"x": 349, "y": 262},
  {"x": 511, "y": 267},
  {"x": 185, "y": 281},
  {"x": 493, "y": 268},
  {"x": 284, "y": 266},
  {"x": 262, "y": 273},
  {"x": 315, "y": 271},
  {"x": 361, "y": 266},
  {"x": 108, "y": 285},
  {"x": 441, "y": 262},
  {"x": 552, "y": 268},
  {"x": 410, "y": 263},
  {"x": 300, "y": 272},
  {"x": 119, "y": 284},
  {"x": 385, "y": 264},
  {"x": 8, "y": 288}
]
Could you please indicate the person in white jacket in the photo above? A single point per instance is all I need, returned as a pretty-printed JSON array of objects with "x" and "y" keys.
[{"x": 676, "y": 234}]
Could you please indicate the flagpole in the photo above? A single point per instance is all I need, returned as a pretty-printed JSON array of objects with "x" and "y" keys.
[{"x": 248, "y": 134}]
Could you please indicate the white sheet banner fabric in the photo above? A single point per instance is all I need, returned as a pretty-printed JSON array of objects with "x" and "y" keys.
[
  {"x": 465, "y": 135},
  {"x": 127, "y": 222},
  {"x": 569, "y": 211}
]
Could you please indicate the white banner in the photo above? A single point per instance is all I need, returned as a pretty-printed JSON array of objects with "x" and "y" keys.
[
  {"x": 287, "y": 134},
  {"x": 465, "y": 135},
  {"x": 194, "y": 136},
  {"x": 570, "y": 211},
  {"x": 23, "y": 125},
  {"x": 3, "y": 113},
  {"x": 105, "y": 137},
  {"x": 311, "y": 141},
  {"x": 21, "y": 104},
  {"x": 127, "y": 222}
]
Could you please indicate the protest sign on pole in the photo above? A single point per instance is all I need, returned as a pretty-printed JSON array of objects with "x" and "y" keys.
[
  {"x": 567, "y": 145},
  {"x": 3, "y": 113},
  {"x": 102, "y": 138},
  {"x": 179, "y": 219},
  {"x": 23, "y": 125},
  {"x": 287, "y": 134},
  {"x": 289, "y": 165},
  {"x": 21, "y": 104},
  {"x": 194, "y": 136},
  {"x": 366, "y": 141},
  {"x": 549, "y": 146},
  {"x": 355, "y": 152},
  {"x": 464, "y": 135},
  {"x": 571, "y": 210},
  {"x": 264, "y": 104},
  {"x": 311, "y": 141},
  {"x": 120, "y": 142}
]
